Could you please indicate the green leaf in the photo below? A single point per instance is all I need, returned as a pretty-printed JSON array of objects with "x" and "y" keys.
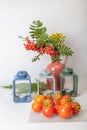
[
  {"x": 36, "y": 58},
  {"x": 55, "y": 58},
  {"x": 64, "y": 50},
  {"x": 37, "y": 29}
]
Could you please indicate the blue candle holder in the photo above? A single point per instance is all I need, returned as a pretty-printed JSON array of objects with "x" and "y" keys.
[{"x": 21, "y": 87}]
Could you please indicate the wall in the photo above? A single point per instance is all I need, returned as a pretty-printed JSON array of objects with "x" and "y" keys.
[{"x": 66, "y": 16}]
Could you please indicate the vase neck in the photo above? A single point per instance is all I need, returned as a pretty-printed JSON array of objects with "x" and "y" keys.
[{"x": 66, "y": 58}]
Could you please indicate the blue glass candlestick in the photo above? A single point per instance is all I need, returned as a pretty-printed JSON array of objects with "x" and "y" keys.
[{"x": 21, "y": 87}]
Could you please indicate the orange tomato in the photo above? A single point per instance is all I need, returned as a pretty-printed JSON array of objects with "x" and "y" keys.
[
  {"x": 66, "y": 99},
  {"x": 36, "y": 107},
  {"x": 58, "y": 96},
  {"x": 65, "y": 111},
  {"x": 48, "y": 111},
  {"x": 39, "y": 98},
  {"x": 47, "y": 102}
]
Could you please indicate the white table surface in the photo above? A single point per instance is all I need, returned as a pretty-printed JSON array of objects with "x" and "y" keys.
[{"x": 15, "y": 116}]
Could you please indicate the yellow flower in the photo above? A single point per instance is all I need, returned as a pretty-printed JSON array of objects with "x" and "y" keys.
[{"x": 57, "y": 35}]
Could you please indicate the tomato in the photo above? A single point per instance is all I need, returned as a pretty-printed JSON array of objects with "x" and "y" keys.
[
  {"x": 57, "y": 96},
  {"x": 66, "y": 99},
  {"x": 49, "y": 97},
  {"x": 47, "y": 102},
  {"x": 56, "y": 105},
  {"x": 56, "y": 108},
  {"x": 55, "y": 102},
  {"x": 65, "y": 111},
  {"x": 76, "y": 107},
  {"x": 48, "y": 111},
  {"x": 39, "y": 98},
  {"x": 36, "y": 107}
]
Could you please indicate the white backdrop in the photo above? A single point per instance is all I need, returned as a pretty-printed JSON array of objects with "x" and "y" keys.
[{"x": 66, "y": 16}]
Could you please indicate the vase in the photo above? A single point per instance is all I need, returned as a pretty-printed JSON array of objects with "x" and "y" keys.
[{"x": 56, "y": 68}]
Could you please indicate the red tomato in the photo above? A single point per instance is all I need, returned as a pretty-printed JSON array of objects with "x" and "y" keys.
[
  {"x": 56, "y": 107},
  {"x": 56, "y": 102},
  {"x": 36, "y": 107},
  {"x": 65, "y": 111},
  {"x": 48, "y": 111},
  {"x": 76, "y": 107},
  {"x": 49, "y": 97}
]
